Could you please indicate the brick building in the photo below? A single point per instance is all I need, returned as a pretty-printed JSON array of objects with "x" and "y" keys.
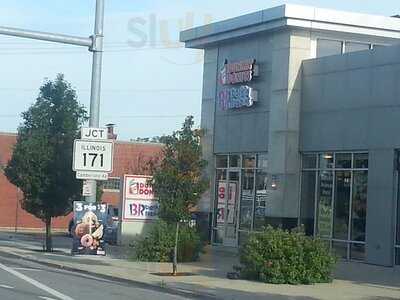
[{"x": 129, "y": 158}]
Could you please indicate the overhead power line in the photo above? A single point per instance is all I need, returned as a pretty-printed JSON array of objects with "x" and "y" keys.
[{"x": 117, "y": 117}]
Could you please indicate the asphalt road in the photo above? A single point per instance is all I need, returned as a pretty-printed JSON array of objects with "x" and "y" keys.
[{"x": 23, "y": 280}]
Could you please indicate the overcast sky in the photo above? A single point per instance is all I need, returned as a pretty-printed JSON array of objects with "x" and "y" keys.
[{"x": 149, "y": 81}]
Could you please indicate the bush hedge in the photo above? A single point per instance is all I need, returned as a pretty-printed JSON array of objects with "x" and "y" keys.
[
  {"x": 279, "y": 256},
  {"x": 158, "y": 244}
]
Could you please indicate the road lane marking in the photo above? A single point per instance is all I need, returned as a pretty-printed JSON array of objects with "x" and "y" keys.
[
  {"x": 46, "y": 298},
  {"x": 6, "y": 286},
  {"x": 35, "y": 283},
  {"x": 27, "y": 269}
]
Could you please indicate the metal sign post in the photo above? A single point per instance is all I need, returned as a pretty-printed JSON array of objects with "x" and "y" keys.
[
  {"x": 97, "y": 50},
  {"x": 95, "y": 45}
]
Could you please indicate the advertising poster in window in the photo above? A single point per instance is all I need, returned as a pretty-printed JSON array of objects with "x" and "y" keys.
[
  {"x": 325, "y": 204},
  {"x": 139, "y": 201},
  {"x": 90, "y": 221},
  {"x": 231, "y": 202}
]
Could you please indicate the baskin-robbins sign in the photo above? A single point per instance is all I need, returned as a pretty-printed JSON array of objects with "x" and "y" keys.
[
  {"x": 239, "y": 95},
  {"x": 138, "y": 199}
]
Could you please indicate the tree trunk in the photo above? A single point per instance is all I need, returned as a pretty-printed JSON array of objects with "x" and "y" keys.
[
  {"x": 49, "y": 246},
  {"x": 175, "y": 259}
]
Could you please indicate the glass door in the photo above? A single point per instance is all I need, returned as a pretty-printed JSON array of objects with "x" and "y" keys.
[{"x": 231, "y": 208}]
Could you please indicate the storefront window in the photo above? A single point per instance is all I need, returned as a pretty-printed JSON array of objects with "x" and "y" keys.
[
  {"x": 261, "y": 199},
  {"x": 361, "y": 160},
  {"x": 307, "y": 207},
  {"x": 325, "y": 192},
  {"x": 341, "y": 200},
  {"x": 221, "y": 161},
  {"x": 247, "y": 199},
  {"x": 249, "y": 161},
  {"x": 221, "y": 192},
  {"x": 340, "y": 249},
  {"x": 262, "y": 161},
  {"x": 309, "y": 161},
  {"x": 359, "y": 205},
  {"x": 234, "y": 161},
  {"x": 326, "y": 161},
  {"x": 357, "y": 251},
  {"x": 343, "y": 161}
]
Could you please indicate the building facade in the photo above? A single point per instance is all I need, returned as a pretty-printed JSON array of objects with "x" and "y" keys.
[
  {"x": 299, "y": 111},
  {"x": 129, "y": 158}
]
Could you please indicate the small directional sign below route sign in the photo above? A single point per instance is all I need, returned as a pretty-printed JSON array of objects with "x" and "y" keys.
[{"x": 96, "y": 156}]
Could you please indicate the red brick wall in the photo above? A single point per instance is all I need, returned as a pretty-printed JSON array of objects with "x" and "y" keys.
[
  {"x": 11, "y": 213},
  {"x": 129, "y": 158}
]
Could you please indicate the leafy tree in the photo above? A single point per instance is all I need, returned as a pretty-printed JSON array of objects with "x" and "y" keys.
[
  {"x": 41, "y": 164},
  {"x": 154, "y": 139},
  {"x": 178, "y": 182}
]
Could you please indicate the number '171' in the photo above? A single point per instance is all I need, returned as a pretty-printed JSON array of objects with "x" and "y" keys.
[{"x": 93, "y": 157}]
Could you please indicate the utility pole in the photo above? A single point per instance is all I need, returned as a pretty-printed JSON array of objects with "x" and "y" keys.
[
  {"x": 97, "y": 63},
  {"x": 94, "y": 44}
]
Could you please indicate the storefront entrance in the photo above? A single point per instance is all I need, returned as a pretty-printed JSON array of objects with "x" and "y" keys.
[
  {"x": 226, "y": 210},
  {"x": 235, "y": 208}
]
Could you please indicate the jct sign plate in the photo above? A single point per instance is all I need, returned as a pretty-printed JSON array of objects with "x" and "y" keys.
[{"x": 94, "y": 156}]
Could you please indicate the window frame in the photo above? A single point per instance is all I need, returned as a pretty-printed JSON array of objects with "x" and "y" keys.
[
  {"x": 316, "y": 36},
  {"x": 113, "y": 190}
]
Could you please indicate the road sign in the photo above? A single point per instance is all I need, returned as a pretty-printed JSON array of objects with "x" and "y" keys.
[
  {"x": 91, "y": 133},
  {"x": 90, "y": 175},
  {"x": 96, "y": 156},
  {"x": 86, "y": 189}
]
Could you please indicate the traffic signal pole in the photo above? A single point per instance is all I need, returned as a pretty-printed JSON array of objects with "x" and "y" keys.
[{"x": 94, "y": 44}]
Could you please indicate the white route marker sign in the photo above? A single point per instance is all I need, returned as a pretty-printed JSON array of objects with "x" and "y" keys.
[{"x": 93, "y": 156}]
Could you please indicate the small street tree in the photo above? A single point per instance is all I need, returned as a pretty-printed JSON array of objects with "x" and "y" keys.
[
  {"x": 41, "y": 164},
  {"x": 178, "y": 182}
]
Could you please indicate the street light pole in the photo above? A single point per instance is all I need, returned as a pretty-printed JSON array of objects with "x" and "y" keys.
[
  {"x": 96, "y": 80},
  {"x": 95, "y": 45}
]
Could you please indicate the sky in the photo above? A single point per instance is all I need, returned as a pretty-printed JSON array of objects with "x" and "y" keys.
[{"x": 150, "y": 82}]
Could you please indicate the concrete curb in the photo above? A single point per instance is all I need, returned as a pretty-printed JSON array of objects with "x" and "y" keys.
[{"x": 164, "y": 289}]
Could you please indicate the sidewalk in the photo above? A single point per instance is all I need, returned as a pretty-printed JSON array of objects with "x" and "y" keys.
[{"x": 353, "y": 280}]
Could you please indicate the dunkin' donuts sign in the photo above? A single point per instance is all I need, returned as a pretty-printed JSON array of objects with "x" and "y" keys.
[
  {"x": 233, "y": 74},
  {"x": 137, "y": 187},
  {"x": 238, "y": 72},
  {"x": 139, "y": 202}
]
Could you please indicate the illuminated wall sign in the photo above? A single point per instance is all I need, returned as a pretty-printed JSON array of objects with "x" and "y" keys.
[
  {"x": 237, "y": 97},
  {"x": 241, "y": 95},
  {"x": 238, "y": 72}
]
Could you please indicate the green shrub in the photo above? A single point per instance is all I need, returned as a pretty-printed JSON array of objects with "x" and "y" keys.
[
  {"x": 158, "y": 244},
  {"x": 279, "y": 256}
]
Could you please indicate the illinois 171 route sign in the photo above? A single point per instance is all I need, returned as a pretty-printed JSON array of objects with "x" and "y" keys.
[{"x": 95, "y": 156}]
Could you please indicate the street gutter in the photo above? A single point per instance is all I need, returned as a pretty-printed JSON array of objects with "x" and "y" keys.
[{"x": 140, "y": 284}]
